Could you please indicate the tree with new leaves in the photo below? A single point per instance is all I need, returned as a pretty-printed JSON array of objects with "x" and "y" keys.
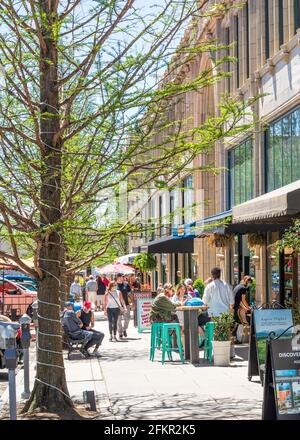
[{"x": 81, "y": 109}]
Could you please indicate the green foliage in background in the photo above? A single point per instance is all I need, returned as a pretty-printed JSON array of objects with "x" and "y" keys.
[
  {"x": 199, "y": 285},
  {"x": 145, "y": 262}
]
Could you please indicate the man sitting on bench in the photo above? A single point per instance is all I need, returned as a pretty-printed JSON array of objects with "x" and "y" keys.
[{"x": 70, "y": 320}]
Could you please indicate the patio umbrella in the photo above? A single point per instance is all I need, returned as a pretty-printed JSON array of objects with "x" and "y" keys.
[{"x": 115, "y": 268}]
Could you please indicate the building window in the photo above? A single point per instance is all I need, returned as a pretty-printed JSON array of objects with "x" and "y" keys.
[
  {"x": 283, "y": 151},
  {"x": 160, "y": 215},
  {"x": 296, "y": 15},
  {"x": 240, "y": 176},
  {"x": 237, "y": 50},
  {"x": 228, "y": 65},
  {"x": 172, "y": 208},
  {"x": 188, "y": 200},
  {"x": 247, "y": 41},
  {"x": 280, "y": 23},
  {"x": 267, "y": 30}
]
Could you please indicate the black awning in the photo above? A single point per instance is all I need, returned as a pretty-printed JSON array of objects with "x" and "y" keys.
[
  {"x": 216, "y": 224},
  {"x": 170, "y": 245},
  {"x": 278, "y": 205}
]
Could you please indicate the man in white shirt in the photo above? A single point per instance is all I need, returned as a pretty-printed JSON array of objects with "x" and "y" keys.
[
  {"x": 218, "y": 295},
  {"x": 91, "y": 290},
  {"x": 75, "y": 289}
]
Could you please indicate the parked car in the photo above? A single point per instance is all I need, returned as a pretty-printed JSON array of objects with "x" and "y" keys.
[
  {"x": 22, "y": 279},
  {"x": 15, "y": 300},
  {"x": 27, "y": 286}
]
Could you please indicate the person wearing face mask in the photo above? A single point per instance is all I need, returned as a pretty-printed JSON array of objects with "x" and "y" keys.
[{"x": 241, "y": 306}]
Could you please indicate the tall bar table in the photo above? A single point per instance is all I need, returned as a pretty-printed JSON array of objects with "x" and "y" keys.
[{"x": 191, "y": 343}]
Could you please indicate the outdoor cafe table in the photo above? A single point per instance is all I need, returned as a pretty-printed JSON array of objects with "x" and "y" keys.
[{"x": 191, "y": 342}]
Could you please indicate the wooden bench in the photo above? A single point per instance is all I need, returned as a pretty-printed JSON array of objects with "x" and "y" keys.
[{"x": 72, "y": 344}]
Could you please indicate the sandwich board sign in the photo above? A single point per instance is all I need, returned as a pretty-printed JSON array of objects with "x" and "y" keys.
[
  {"x": 264, "y": 322},
  {"x": 143, "y": 314},
  {"x": 282, "y": 380}
]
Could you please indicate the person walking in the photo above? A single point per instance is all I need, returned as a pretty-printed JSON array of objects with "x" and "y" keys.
[
  {"x": 125, "y": 289},
  {"x": 113, "y": 304},
  {"x": 91, "y": 290},
  {"x": 242, "y": 309},
  {"x": 87, "y": 317},
  {"x": 101, "y": 289},
  {"x": 75, "y": 289},
  {"x": 84, "y": 289},
  {"x": 218, "y": 295}
]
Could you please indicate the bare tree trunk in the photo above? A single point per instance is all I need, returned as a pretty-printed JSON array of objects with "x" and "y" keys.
[{"x": 50, "y": 391}]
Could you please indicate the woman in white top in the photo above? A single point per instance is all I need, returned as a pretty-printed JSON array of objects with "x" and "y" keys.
[{"x": 113, "y": 303}]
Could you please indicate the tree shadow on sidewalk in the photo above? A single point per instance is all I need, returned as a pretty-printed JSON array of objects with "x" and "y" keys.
[{"x": 182, "y": 407}]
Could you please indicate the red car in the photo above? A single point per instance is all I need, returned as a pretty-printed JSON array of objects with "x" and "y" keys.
[{"x": 15, "y": 300}]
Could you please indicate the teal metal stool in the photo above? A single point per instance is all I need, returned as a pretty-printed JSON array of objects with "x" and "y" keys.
[
  {"x": 167, "y": 341},
  {"x": 209, "y": 337},
  {"x": 156, "y": 338}
]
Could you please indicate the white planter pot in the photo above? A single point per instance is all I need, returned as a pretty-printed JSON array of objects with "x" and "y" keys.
[{"x": 221, "y": 350}]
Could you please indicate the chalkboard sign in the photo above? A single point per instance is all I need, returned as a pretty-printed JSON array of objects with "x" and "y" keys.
[
  {"x": 264, "y": 322},
  {"x": 282, "y": 380},
  {"x": 143, "y": 314}
]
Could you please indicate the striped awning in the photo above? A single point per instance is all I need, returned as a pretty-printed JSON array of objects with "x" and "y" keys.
[{"x": 281, "y": 203}]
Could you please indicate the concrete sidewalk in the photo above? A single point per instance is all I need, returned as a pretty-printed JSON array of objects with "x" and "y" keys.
[
  {"x": 128, "y": 386},
  {"x": 139, "y": 389}
]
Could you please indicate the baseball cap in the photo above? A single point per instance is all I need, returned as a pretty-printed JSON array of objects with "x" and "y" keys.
[
  {"x": 87, "y": 304},
  {"x": 69, "y": 303},
  {"x": 188, "y": 281}
]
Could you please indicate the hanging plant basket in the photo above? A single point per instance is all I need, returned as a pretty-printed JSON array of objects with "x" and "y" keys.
[
  {"x": 290, "y": 242},
  {"x": 220, "y": 240},
  {"x": 256, "y": 239}
]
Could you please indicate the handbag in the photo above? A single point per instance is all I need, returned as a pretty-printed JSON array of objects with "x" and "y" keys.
[{"x": 121, "y": 308}]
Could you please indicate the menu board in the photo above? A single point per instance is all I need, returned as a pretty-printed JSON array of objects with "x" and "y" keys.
[
  {"x": 143, "y": 314},
  {"x": 267, "y": 321}
]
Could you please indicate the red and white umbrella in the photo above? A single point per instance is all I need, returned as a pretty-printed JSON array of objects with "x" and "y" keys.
[{"x": 115, "y": 268}]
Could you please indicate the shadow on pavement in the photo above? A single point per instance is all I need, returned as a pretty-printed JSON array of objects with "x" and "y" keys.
[{"x": 181, "y": 407}]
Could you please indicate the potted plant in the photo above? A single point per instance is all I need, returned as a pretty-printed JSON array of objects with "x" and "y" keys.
[
  {"x": 199, "y": 285},
  {"x": 222, "y": 339}
]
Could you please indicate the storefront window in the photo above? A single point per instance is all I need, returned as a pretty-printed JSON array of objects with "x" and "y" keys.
[
  {"x": 163, "y": 268},
  {"x": 288, "y": 275},
  {"x": 240, "y": 177},
  {"x": 283, "y": 151},
  {"x": 272, "y": 268},
  {"x": 188, "y": 200},
  {"x": 235, "y": 279}
]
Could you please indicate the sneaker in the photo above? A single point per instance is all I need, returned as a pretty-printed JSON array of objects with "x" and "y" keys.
[
  {"x": 121, "y": 335},
  {"x": 125, "y": 334},
  {"x": 111, "y": 338}
]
